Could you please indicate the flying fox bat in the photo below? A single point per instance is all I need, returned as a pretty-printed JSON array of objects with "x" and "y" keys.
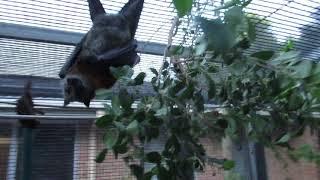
[
  {"x": 109, "y": 42},
  {"x": 25, "y": 106}
]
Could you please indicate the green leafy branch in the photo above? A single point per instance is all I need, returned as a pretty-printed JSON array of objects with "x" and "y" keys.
[{"x": 265, "y": 96}]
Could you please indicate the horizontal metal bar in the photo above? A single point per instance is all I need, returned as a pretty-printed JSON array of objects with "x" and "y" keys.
[
  {"x": 12, "y": 85},
  {"x": 40, "y": 117},
  {"x": 30, "y": 33},
  {"x": 72, "y": 117},
  {"x": 39, "y": 34},
  {"x": 57, "y": 107}
]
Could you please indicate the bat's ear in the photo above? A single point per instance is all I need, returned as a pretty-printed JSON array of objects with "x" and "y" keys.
[
  {"x": 132, "y": 11},
  {"x": 27, "y": 86},
  {"x": 95, "y": 8}
]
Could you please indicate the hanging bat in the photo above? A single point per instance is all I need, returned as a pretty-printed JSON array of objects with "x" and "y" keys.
[
  {"x": 25, "y": 106},
  {"x": 109, "y": 42}
]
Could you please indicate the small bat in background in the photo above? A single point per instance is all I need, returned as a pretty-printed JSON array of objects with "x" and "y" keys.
[
  {"x": 109, "y": 42},
  {"x": 25, "y": 106}
]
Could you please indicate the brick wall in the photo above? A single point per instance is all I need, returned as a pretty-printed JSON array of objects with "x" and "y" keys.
[
  {"x": 116, "y": 169},
  {"x": 5, "y": 133},
  {"x": 285, "y": 169},
  {"x": 89, "y": 144},
  {"x": 214, "y": 149},
  {"x": 111, "y": 168}
]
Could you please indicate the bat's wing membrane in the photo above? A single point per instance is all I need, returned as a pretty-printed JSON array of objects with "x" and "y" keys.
[{"x": 72, "y": 59}]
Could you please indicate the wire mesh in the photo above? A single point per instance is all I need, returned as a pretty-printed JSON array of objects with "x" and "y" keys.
[
  {"x": 298, "y": 20},
  {"x": 45, "y": 59},
  {"x": 67, "y": 151}
]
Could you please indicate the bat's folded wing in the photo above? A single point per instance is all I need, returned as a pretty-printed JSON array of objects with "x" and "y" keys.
[
  {"x": 126, "y": 55},
  {"x": 72, "y": 58}
]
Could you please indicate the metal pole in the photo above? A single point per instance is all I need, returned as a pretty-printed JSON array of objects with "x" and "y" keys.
[{"x": 27, "y": 133}]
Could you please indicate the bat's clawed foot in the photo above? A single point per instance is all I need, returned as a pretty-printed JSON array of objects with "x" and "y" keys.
[
  {"x": 87, "y": 104},
  {"x": 65, "y": 103}
]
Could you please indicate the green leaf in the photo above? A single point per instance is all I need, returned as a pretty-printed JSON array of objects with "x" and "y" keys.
[
  {"x": 211, "y": 86},
  {"x": 155, "y": 104},
  {"x": 101, "y": 156},
  {"x": 251, "y": 30},
  {"x": 295, "y": 102},
  {"x": 115, "y": 104},
  {"x": 121, "y": 149},
  {"x": 212, "y": 90},
  {"x": 119, "y": 72},
  {"x": 104, "y": 93},
  {"x": 125, "y": 99},
  {"x": 133, "y": 127},
  {"x": 221, "y": 39},
  {"x": 162, "y": 112},
  {"x": 187, "y": 93},
  {"x": 183, "y": 6},
  {"x": 284, "y": 139},
  {"x": 104, "y": 121},
  {"x": 176, "y": 87},
  {"x": 306, "y": 152},
  {"x": 153, "y": 157},
  {"x": 164, "y": 174},
  {"x": 156, "y": 122},
  {"x": 303, "y": 69},
  {"x": 246, "y": 3},
  {"x": 199, "y": 101},
  {"x": 138, "y": 80},
  {"x": 238, "y": 68},
  {"x": 285, "y": 57},
  {"x": 213, "y": 68},
  {"x": 228, "y": 5},
  {"x": 201, "y": 46},
  {"x": 288, "y": 46},
  {"x": 176, "y": 50},
  {"x": 148, "y": 176},
  {"x": 119, "y": 125},
  {"x": 232, "y": 126},
  {"x": 165, "y": 65},
  {"x": 228, "y": 164},
  {"x": 152, "y": 133},
  {"x": 154, "y": 71},
  {"x": 111, "y": 137},
  {"x": 234, "y": 16},
  {"x": 137, "y": 171},
  {"x": 264, "y": 55}
]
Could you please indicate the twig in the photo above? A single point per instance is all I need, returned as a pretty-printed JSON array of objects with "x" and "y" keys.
[
  {"x": 267, "y": 66},
  {"x": 169, "y": 44},
  {"x": 170, "y": 38},
  {"x": 183, "y": 61},
  {"x": 165, "y": 53}
]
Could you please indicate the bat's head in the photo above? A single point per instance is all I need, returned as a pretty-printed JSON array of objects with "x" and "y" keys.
[
  {"x": 27, "y": 91},
  {"x": 25, "y": 102},
  {"x": 127, "y": 18},
  {"x": 75, "y": 89}
]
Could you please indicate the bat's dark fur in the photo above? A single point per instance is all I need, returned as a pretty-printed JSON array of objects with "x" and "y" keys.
[
  {"x": 110, "y": 42},
  {"x": 25, "y": 106}
]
